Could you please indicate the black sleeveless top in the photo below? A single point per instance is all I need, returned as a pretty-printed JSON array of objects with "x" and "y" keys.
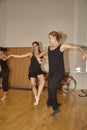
[
  {"x": 3, "y": 64},
  {"x": 56, "y": 62},
  {"x": 34, "y": 65}
]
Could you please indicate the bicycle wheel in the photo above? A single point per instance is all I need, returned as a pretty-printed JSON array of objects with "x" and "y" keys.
[{"x": 70, "y": 85}]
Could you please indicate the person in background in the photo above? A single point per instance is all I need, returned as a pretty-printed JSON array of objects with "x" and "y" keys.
[
  {"x": 4, "y": 73},
  {"x": 56, "y": 66},
  {"x": 35, "y": 71}
]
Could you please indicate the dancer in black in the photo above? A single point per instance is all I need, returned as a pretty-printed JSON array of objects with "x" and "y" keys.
[
  {"x": 35, "y": 70},
  {"x": 56, "y": 66},
  {"x": 4, "y": 73}
]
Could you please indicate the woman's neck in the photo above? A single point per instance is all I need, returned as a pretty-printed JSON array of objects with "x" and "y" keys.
[
  {"x": 55, "y": 45},
  {"x": 36, "y": 53}
]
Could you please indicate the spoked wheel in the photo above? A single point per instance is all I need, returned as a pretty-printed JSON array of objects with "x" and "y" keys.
[{"x": 69, "y": 85}]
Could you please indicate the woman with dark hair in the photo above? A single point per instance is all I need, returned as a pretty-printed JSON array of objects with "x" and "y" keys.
[
  {"x": 4, "y": 73},
  {"x": 35, "y": 70},
  {"x": 56, "y": 66}
]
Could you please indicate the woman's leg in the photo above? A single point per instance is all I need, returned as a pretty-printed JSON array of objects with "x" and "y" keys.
[
  {"x": 41, "y": 79},
  {"x": 52, "y": 92},
  {"x": 34, "y": 89},
  {"x": 33, "y": 85},
  {"x": 5, "y": 83}
]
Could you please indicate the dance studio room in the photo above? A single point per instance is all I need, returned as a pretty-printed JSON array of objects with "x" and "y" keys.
[{"x": 43, "y": 64}]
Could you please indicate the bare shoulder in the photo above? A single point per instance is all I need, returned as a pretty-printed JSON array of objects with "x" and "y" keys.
[{"x": 63, "y": 46}]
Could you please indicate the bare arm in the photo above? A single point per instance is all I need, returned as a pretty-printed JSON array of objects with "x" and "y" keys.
[
  {"x": 45, "y": 56},
  {"x": 43, "y": 53},
  {"x": 76, "y": 47},
  {"x": 19, "y": 56}
]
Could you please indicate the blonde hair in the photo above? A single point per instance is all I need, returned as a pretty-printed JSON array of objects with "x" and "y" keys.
[{"x": 60, "y": 36}]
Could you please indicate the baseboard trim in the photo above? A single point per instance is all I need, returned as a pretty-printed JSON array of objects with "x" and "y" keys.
[{"x": 20, "y": 88}]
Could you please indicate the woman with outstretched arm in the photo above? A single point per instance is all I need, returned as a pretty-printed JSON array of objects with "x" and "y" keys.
[
  {"x": 35, "y": 71},
  {"x": 56, "y": 66}
]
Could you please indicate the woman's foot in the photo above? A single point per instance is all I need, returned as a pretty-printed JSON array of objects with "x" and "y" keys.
[
  {"x": 36, "y": 101},
  {"x": 3, "y": 98}
]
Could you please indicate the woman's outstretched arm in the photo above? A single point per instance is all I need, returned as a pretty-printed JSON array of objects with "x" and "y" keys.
[
  {"x": 43, "y": 53},
  {"x": 19, "y": 56},
  {"x": 76, "y": 47}
]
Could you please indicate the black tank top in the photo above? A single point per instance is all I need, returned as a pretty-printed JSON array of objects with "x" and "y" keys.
[
  {"x": 34, "y": 65},
  {"x": 56, "y": 62},
  {"x": 3, "y": 64}
]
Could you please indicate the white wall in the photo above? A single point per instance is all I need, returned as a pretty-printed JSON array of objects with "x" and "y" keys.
[
  {"x": 23, "y": 21},
  {"x": 30, "y": 20},
  {"x": 82, "y": 25},
  {"x": 2, "y": 22}
]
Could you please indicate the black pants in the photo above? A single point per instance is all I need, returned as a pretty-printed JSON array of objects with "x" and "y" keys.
[
  {"x": 53, "y": 80},
  {"x": 4, "y": 74}
]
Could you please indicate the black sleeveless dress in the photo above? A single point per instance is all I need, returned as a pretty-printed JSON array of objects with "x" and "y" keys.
[
  {"x": 35, "y": 68},
  {"x": 56, "y": 73}
]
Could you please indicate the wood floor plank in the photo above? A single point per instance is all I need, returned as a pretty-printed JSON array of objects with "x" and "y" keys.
[{"x": 19, "y": 113}]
